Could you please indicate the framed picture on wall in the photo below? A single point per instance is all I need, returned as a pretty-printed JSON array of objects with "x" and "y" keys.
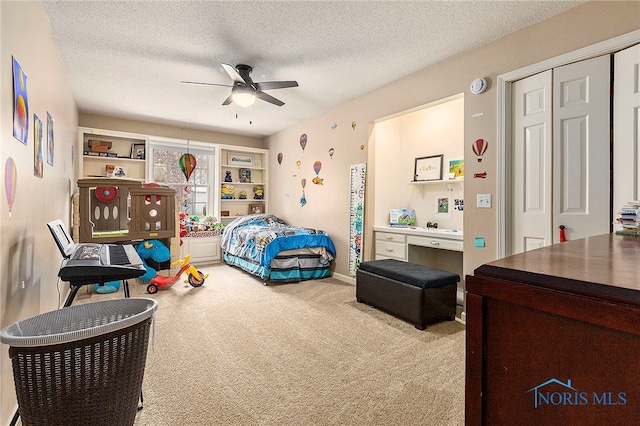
[
  {"x": 443, "y": 206},
  {"x": 428, "y": 168}
]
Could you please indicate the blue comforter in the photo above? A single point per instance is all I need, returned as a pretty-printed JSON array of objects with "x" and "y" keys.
[{"x": 261, "y": 237}]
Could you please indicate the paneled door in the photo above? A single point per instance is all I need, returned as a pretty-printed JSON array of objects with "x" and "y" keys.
[
  {"x": 561, "y": 154},
  {"x": 626, "y": 134}
]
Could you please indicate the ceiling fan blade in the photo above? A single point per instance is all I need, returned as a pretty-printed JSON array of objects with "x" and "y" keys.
[
  {"x": 233, "y": 74},
  {"x": 206, "y": 84},
  {"x": 269, "y": 98},
  {"x": 227, "y": 101},
  {"x": 270, "y": 85}
]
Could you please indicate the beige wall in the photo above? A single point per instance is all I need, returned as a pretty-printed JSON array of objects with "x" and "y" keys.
[
  {"x": 29, "y": 259},
  {"x": 327, "y": 206}
]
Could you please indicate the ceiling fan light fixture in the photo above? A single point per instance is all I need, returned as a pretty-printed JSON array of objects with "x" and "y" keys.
[{"x": 243, "y": 97}]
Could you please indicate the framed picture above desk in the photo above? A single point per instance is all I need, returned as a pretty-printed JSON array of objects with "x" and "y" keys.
[{"x": 428, "y": 168}]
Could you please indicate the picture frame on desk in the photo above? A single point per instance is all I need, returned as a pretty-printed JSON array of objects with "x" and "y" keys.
[
  {"x": 138, "y": 151},
  {"x": 239, "y": 159},
  {"x": 428, "y": 168}
]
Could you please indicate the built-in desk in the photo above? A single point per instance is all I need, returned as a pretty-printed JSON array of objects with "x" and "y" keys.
[{"x": 437, "y": 248}]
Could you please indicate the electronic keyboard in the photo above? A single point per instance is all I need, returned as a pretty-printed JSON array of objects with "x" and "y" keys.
[{"x": 100, "y": 263}]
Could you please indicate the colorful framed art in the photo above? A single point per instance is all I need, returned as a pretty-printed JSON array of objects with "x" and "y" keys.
[{"x": 428, "y": 168}]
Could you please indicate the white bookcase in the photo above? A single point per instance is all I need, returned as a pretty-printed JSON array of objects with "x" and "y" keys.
[
  {"x": 119, "y": 156},
  {"x": 252, "y": 164}
]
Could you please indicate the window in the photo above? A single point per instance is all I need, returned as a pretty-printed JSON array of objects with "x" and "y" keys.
[{"x": 195, "y": 196}]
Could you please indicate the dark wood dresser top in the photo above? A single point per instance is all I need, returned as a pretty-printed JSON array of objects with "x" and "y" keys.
[{"x": 605, "y": 266}]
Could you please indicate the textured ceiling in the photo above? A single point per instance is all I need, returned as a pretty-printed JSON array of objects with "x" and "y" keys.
[{"x": 126, "y": 59}]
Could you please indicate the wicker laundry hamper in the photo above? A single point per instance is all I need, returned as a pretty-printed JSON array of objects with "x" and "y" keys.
[{"x": 81, "y": 365}]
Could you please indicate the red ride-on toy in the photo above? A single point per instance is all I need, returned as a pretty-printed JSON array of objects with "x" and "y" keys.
[{"x": 195, "y": 277}]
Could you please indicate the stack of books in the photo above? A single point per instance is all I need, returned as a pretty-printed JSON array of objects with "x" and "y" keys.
[{"x": 629, "y": 219}]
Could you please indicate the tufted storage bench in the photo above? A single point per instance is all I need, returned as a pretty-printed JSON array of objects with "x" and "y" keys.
[{"x": 418, "y": 294}]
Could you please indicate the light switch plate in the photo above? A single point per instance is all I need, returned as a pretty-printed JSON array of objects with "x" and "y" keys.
[{"x": 484, "y": 201}]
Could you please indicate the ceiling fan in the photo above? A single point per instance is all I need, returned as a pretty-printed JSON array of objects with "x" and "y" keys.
[{"x": 244, "y": 91}]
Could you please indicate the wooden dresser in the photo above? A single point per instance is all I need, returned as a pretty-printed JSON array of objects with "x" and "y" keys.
[{"x": 553, "y": 336}]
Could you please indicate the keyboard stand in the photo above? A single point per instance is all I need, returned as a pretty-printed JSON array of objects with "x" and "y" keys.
[{"x": 75, "y": 287}]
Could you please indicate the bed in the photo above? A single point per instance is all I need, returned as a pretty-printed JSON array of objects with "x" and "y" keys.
[{"x": 265, "y": 246}]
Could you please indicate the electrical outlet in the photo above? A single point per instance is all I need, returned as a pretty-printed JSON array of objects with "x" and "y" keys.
[{"x": 484, "y": 201}]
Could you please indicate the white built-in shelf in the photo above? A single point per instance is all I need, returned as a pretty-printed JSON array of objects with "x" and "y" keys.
[
  {"x": 446, "y": 182},
  {"x": 243, "y": 183},
  {"x": 242, "y": 167}
]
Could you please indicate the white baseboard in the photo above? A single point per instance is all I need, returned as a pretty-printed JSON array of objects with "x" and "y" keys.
[{"x": 344, "y": 278}]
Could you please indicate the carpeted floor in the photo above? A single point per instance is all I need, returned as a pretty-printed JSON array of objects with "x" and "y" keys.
[{"x": 236, "y": 352}]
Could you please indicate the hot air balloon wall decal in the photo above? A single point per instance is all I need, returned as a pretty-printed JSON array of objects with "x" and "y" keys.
[
  {"x": 317, "y": 166},
  {"x": 10, "y": 181},
  {"x": 303, "y": 141},
  {"x": 479, "y": 147},
  {"x": 303, "y": 198}
]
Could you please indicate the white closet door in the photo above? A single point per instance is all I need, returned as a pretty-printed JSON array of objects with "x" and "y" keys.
[
  {"x": 561, "y": 154},
  {"x": 626, "y": 134},
  {"x": 581, "y": 148},
  {"x": 532, "y": 159}
]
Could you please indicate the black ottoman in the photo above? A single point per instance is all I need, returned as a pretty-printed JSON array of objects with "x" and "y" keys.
[{"x": 418, "y": 294}]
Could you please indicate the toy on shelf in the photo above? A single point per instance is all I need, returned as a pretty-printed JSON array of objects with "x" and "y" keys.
[
  {"x": 227, "y": 192},
  {"x": 243, "y": 195},
  {"x": 227, "y": 176},
  {"x": 195, "y": 277},
  {"x": 258, "y": 193}
]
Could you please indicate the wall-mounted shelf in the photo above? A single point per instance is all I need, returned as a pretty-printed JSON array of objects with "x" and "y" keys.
[
  {"x": 431, "y": 182},
  {"x": 446, "y": 182}
]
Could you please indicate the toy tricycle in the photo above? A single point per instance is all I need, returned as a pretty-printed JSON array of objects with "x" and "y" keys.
[{"x": 195, "y": 277}]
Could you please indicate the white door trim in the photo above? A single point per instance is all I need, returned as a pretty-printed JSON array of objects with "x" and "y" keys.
[{"x": 503, "y": 84}]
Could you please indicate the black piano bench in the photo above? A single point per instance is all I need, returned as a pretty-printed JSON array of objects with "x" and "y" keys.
[{"x": 418, "y": 294}]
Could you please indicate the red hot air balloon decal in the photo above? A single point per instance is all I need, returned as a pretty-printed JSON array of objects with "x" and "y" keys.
[
  {"x": 188, "y": 164},
  {"x": 479, "y": 148},
  {"x": 280, "y": 159},
  {"x": 303, "y": 141}
]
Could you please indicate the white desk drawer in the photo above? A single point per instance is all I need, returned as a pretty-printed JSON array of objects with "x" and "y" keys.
[
  {"x": 437, "y": 243},
  {"x": 389, "y": 237},
  {"x": 391, "y": 249}
]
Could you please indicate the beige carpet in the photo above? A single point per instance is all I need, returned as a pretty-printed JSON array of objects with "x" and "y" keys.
[{"x": 236, "y": 352}]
